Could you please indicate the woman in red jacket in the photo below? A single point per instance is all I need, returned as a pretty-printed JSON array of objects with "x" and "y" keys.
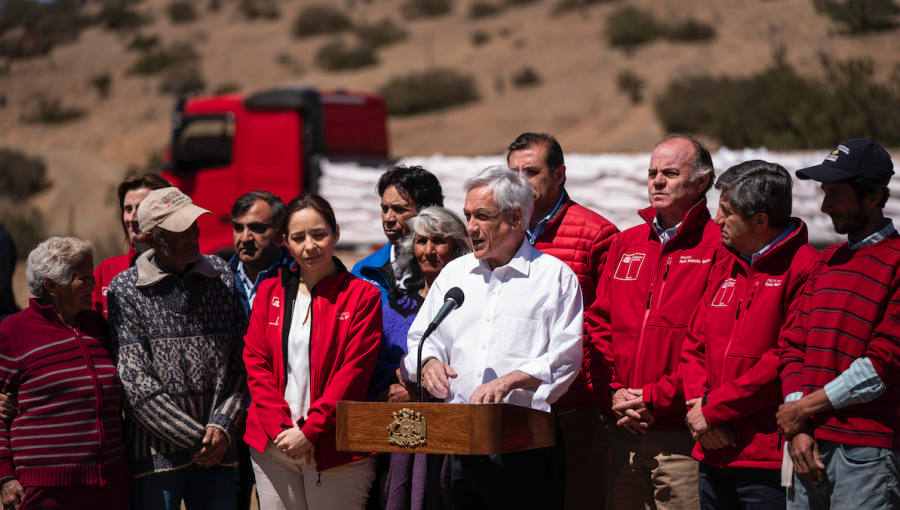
[
  {"x": 313, "y": 340},
  {"x": 131, "y": 193}
]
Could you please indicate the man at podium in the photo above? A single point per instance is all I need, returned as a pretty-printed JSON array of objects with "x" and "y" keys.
[{"x": 515, "y": 339}]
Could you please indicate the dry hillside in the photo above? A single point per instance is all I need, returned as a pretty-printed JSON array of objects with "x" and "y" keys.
[{"x": 578, "y": 99}]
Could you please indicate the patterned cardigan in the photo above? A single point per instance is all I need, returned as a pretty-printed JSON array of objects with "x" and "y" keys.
[{"x": 178, "y": 344}]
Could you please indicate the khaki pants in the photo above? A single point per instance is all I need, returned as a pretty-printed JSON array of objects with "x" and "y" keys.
[
  {"x": 587, "y": 458},
  {"x": 653, "y": 471},
  {"x": 282, "y": 483}
]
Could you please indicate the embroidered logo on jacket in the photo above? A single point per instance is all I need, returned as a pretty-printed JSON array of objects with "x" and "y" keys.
[
  {"x": 773, "y": 282},
  {"x": 630, "y": 266},
  {"x": 343, "y": 316},
  {"x": 276, "y": 321},
  {"x": 276, "y": 302},
  {"x": 723, "y": 295},
  {"x": 105, "y": 290}
]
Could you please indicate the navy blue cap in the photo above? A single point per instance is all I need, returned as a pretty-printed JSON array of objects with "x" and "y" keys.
[{"x": 864, "y": 157}]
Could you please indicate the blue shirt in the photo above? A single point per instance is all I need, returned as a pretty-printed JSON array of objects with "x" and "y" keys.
[
  {"x": 539, "y": 229},
  {"x": 245, "y": 287}
]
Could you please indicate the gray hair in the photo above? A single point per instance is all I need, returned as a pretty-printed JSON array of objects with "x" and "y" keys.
[
  {"x": 756, "y": 187},
  {"x": 701, "y": 164},
  {"x": 508, "y": 188},
  {"x": 430, "y": 222},
  {"x": 159, "y": 238},
  {"x": 55, "y": 259}
]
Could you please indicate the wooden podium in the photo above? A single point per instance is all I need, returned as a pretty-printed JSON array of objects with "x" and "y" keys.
[
  {"x": 438, "y": 428},
  {"x": 460, "y": 429}
]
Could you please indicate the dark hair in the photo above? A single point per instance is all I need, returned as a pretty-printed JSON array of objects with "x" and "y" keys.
[
  {"x": 149, "y": 181},
  {"x": 526, "y": 141},
  {"x": 759, "y": 187},
  {"x": 863, "y": 186},
  {"x": 243, "y": 204},
  {"x": 415, "y": 183},
  {"x": 308, "y": 201},
  {"x": 702, "y": 163}
]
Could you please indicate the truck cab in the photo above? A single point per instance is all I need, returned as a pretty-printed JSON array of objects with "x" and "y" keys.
[{"x": 225, "y": 146}]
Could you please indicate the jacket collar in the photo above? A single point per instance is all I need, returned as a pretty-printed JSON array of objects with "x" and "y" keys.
[
  {"x": 291, "y": 278},
  {"x": 560, "y": 212},
  {"x": 797, "y": 238},
  {"x": 695, "y": 220},
  {"x": 521, "y": 261},
  {"x": 150, "y": 273},
  {"x": 49, "y": 313}
]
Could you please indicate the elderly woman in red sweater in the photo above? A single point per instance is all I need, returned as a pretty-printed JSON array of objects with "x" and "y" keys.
[
  {"x": 65, "y": 446},
  {"x": 313, "y": 340}
]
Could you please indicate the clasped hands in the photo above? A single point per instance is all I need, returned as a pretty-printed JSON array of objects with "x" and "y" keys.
[
  {"x": 712, "y": 438},
  {"x": 295, "y": 445},
  {"x": 629, "y": 408}
]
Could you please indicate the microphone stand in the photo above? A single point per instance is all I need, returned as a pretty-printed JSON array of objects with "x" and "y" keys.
[{"x": 433, "y": 462}]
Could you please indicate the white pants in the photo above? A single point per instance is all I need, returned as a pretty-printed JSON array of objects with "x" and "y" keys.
[{"x": 286, "y": 484}]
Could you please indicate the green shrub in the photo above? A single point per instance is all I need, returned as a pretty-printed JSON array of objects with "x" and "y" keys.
[
  {"x": 41, "y": 26},
  {"x": 564, "y": 6},
  {"x": 482, "y": 9},
  {"x": 630, "y": 27},
  {"x": 865, "y": 15},
  {"x": 182, "y": 80},
  {"x": 102, "y": 82},
  {"x": 480, "y": 37},
  {"x": 141, "y": 43},
  {"x": 780, "y": 110},
  {"x": 380, "y": 34},
  {"x": 336, "y": 56},
  {"x": 517, "y": 3},
  {"x": 414, "y": 9},
  {"x": 287, "y": 61},
  {"x": 160, "y": 59},
  {"x": 259, "y": 9},
  {"x": 427, "y": 91},
  {"x": 228, "y": 87},
  {"x": 526, "y": 77},
  {"x": 691, "y": 31},
  {"x": 631, "y": 84},
  {"x": 21, "y": 176},
  {"x": 41, "y": 109},
  {"x": 321, "y": 19},
  {"x": 120, "y": 17},
  {"x": 181, "y": 11},
  {"x": 25, "y": 225}
]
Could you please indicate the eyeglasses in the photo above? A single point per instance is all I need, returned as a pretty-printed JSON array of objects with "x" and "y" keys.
[{"x": 255, "y": 227}]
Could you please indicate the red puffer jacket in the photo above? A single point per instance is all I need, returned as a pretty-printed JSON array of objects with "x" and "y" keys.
[
  {"x": 105, "y": 272},
  {"x": 346, "y": 333},
  {"x": 580, "y": 237},
  {"x": 645, "y": 299},
  {"x": 731, "y": 354}
]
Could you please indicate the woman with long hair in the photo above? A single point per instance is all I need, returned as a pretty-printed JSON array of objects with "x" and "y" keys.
[
  {"x": 131, "y": 192},
  {"x": 313, "y": 340}
]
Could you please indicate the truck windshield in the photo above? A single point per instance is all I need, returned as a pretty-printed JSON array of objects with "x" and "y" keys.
[{"x": 203, "y": 142}]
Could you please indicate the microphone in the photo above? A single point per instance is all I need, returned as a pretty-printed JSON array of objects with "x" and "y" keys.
[{"x": 453, "y": 299}]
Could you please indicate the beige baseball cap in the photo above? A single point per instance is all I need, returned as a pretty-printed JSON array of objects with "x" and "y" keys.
[{"x": 168, "y": 208}]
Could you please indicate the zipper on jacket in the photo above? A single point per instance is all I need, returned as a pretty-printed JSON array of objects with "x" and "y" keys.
[
  {"x": 637, "y": 350},
  {"x": 662, "y": 285},
  {"x": 99, "y": 399}
]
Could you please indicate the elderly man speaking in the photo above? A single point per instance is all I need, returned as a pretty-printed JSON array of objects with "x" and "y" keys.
[
  {"x": 177, "y": 327},
  {"x": 515, "y": 339}
]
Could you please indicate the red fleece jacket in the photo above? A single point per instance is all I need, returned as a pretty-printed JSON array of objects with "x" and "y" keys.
[
  {"x": 105, "y": 272},
  {"x": 346, "y": 333},
  {"x": 731, "y": 352},
  {"x": 645, "y": 299}
]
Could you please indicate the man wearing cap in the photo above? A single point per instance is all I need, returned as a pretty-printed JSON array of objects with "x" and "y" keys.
[
  {"x": 841, "y": 361},
  {"x": 176, "y": 328}
]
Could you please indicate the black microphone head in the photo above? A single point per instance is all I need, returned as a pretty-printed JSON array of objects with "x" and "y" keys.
[{"x": 456, "y": 294}]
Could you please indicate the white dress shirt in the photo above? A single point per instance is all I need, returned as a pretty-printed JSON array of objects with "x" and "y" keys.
[
  {"x": 526, "y": 316},
  {"x": 297, "y": 386}
]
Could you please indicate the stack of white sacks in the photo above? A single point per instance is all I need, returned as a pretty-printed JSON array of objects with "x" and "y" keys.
[{"x": 613, "y": 185}]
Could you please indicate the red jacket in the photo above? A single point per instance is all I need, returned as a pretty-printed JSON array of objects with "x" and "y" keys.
[
  {"x": 346, "y": 333},
  {"x": 105, "y": 272},
  {"x": 645, "y": 299},
  {"x": 731, "y": 353},
  {"x": 580, "y": 237}
]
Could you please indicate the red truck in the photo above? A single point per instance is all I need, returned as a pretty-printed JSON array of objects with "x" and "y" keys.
[{"x": 225, "y": 146}]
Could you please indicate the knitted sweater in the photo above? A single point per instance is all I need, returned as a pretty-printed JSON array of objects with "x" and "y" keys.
[
  {"x": 397, "y": 316},
  {"x": 68, "y": 430},
  {"x": 178, "y": 344},
  {"x": 850, "y": 309}
]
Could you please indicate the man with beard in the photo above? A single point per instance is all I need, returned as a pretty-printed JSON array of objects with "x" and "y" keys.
[{"x": 842, "y": 359}]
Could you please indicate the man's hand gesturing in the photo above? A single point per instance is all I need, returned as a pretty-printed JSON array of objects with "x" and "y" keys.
[{"x": 436, "y": 378}]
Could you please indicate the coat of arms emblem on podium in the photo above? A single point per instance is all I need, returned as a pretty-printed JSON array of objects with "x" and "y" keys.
[{"x": 407, "y": 429}]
